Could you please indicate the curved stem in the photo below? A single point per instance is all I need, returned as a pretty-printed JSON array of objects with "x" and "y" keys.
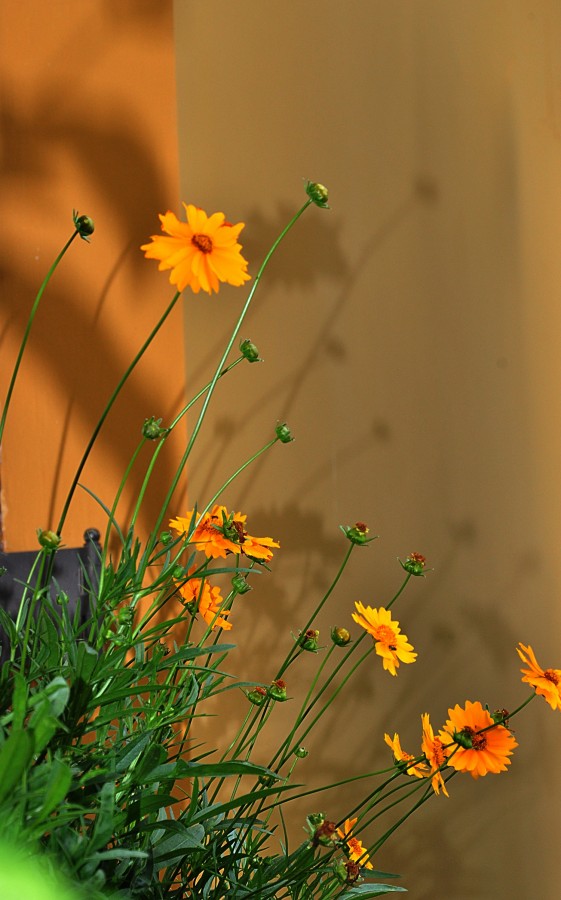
[
  {"x": 108, "y": 406},
  {"x": 293, "y": 652},
  {"x": 216, "y": 376},
  {"x": 402, "y": 588},
  {"x": 160, "y": 446},
  {"x": 34, "y": 308}
]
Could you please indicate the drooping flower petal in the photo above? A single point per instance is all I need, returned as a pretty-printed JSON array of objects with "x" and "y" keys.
[
  {"x": 355, "y": 848},
  {"x": 390, "y": 644},
  {"x": 435, "y": 755},
  {"x": 405, "y": 761},
  {"x": 546, "y": 682},
  {"x": 209, "y": 602}
]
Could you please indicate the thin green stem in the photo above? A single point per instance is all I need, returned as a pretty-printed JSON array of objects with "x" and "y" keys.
[
  {"x": 216, "y": 376},
  {"x": 325, "y": 707},
  {"x": 427, "y": 794},
  {"x": 402, "y": 588},
  {"x": 161, "y": 443},
  {"x": 293, "y": 652},
  {"x": 34, "y": 308},
  {"x": 304, "y": 707},
  {"x": 108, "y": 406},
  {"x": 37, "y": 595}
]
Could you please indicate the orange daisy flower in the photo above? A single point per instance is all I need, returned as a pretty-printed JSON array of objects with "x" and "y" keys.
[
  {"x": 209, "y": 602},
  {"x": 218, "y": 533},
  {"x": 405, "y": 761},
  {"x": 208, "y": 534},
  {"x": 356, "y": 851},
  {"x": 435, "y": 755},
  {"x": 546, "y": 682},
  {"x": 201, "y": 252},
  {"x": 478, "y": 745},
  {"x": 391, "y": 645}
]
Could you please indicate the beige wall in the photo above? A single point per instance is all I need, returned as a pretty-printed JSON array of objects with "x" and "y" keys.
[
  {"x": 88, "y": 103},
  {"x": 411, "y": 341}
]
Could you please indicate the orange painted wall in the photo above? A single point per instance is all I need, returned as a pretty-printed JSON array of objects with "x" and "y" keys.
[{"x": 89, "y": 122}]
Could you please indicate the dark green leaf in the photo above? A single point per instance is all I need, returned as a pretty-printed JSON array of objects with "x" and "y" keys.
[
  {"x": 364, "y": 891},
  {"x": 174, "y": 847},
  {"x": 56, "y": 789},
  {"x": 131, "y": 751},
  {"x": 15, "y": 755}
]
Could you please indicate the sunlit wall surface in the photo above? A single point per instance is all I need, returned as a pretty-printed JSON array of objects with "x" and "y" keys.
[
  {"x": 88, "y": 122},
  {"x": 410, "y": 338}
]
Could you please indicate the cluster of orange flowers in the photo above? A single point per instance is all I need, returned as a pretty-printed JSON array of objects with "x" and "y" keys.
[
  {"x": 473, "y": 740},
  {"x": 217, "y": 533},
  {"x": 200, "y": 253}
]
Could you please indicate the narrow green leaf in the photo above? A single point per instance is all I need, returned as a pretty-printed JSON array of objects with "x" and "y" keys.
[
  {"x": 174, "y": 848},
  {"x": 364, "y": 891},
  {"x": 223, "y": 769},
  {"x": 131, "y": 751},
  {"x": 19, "y": 700},
  {"x": 56, "y": 789},
  {"x": 86, "y": 661},
  {"x": 15, "y": 755},
  {"x": 103, "y": 828},
  {"x": 49, "y": 639}
]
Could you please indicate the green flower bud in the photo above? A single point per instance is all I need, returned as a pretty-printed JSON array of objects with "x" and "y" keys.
[
  {"x": 49, "y": 540},
  {"x": 266, "y": 780},
  {"x": 240, "y": 585},
  {"x": 301, "y": 752},
  {"x": 283, "y": 433},
  {"x": 501, "y": 717},
  {"x": 318, "y": 193},
  {"x": 353, "y": 872},
  {"x": 152, "y": 429},
  {"x": 250, "y": 351},
  {"x": 257, "y": 696},
  {"x": 277, "y": 690},
  {"x": 83, "y": 225},
  {"x": 125, "y": 615},
  {"x": 313, "y": 822},
  {"x": 309, "y": 640},
  {"x": 357, "y": 533},
  {"x": 414, "y": 564},
  {"x": 166, "y": 538},
  {"x": 326, "y": 834},
  {"x": 340, "y": 871},
  {"x": 340, "y": 636},
  {"x": 463, "y": 739},
  {"x": 178, "y": 573}
]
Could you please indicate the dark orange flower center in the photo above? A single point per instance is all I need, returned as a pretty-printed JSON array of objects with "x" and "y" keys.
[
  {"x": 438, "y": 752},
  {"x": 386, "y": 635},
  {"x": 353, "y": 871},
  {"x": 551, "y": 675},
  {"x": 202, "y": 242},
  {"x": 355, "y": 846},
  {"x": 478, "y": 740},
  {"x": 417, "y": 558}
]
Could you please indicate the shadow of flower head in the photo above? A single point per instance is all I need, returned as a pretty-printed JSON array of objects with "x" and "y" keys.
[{"x": 312, "y": 252}]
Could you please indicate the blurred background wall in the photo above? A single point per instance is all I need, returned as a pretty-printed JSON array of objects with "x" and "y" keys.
[
  {"x": 88, "y": 122},
  {"x": 410, "y": 338}
]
